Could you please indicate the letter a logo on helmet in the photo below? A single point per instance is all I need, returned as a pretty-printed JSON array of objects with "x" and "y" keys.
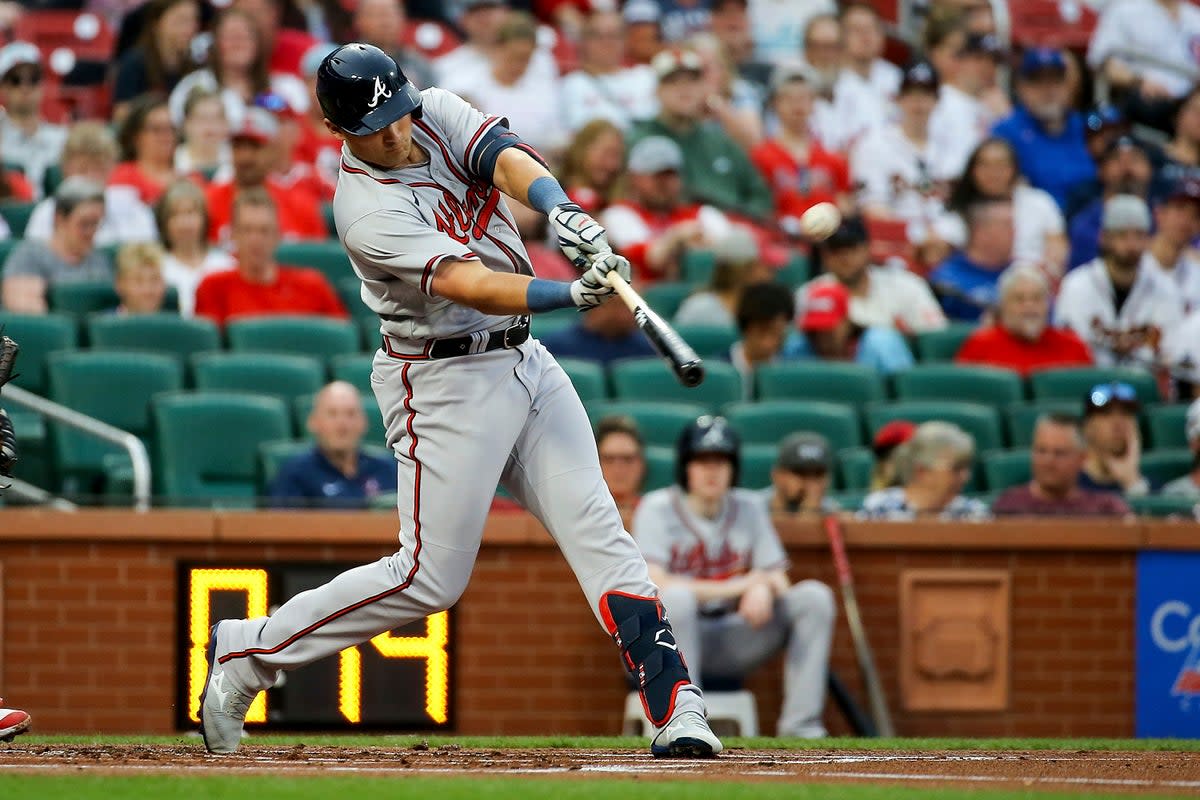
[{"x": 362, "y": 90}]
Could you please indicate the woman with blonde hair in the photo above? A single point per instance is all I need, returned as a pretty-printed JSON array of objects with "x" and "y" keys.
[
  {"x": 593, "y": 165},
  {"x": 182, "y": 217}
]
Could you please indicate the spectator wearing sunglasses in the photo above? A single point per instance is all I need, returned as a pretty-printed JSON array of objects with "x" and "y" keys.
[
  {"x": 622, "y": 459},
  {"x": 1189, "y": 485},
  {"x": 1114, "y": 444},
  {"x": 29, "y": 140},
  {"x": 1056, "y": 459},
  {"x": 933, "y": 467},
  {"x": 800, "y": 477}
]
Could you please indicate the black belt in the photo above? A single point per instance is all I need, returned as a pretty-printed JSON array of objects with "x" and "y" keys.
[{"x": 510, "y": 337}]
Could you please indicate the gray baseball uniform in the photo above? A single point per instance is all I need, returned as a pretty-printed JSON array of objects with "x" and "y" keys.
[
  {"x": 718, "y": 642},
  {"x": 457, "y": 425}
]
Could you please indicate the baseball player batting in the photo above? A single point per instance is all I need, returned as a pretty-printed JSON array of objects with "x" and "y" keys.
[{"x": 469, "y": 400}]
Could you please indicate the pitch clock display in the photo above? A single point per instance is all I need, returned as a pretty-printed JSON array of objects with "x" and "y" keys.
[{"x": 400, "y": 680}]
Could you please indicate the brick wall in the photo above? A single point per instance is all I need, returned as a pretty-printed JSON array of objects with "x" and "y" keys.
[{"x": 89, "y": 603}]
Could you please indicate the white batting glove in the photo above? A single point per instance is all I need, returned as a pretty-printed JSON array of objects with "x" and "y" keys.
[
  {"x": 607, "y": 262},
  {"x": 590, "y": 289},
  {"x": 579, "y": 236}
]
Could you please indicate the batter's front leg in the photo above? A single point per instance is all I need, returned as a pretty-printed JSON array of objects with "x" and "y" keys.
[{"x": 555, "y": 472}]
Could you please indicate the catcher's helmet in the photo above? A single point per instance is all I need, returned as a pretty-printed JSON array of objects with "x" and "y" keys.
[
  {"x": 707, "y": 435},
  {"x": 362, "y": 90}
]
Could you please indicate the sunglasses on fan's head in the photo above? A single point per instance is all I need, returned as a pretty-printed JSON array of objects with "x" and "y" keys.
[{"x": 1111, "y": 395}]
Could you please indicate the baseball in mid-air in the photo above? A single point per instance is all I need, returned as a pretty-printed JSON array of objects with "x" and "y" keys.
[{"x": 820, "y": 221}]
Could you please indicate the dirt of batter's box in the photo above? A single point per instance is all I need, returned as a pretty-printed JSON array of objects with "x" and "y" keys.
[{"x": 1080, "y": 770}]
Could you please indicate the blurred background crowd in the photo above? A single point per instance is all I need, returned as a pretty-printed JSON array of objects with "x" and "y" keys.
[{"x": 1017, "y": 264}]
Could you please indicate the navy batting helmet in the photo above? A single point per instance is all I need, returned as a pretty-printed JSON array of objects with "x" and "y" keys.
[
  {"x": 707, "y": 435},
  {"x": 362, "y": 90}
]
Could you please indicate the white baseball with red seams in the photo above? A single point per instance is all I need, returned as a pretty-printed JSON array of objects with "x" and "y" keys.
[
  {"x": 458, "y": 426},
  {"x": 820, "y": 221}
]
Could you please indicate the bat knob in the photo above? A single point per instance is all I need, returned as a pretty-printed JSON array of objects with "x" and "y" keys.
[{"x": 692, "y": 373}]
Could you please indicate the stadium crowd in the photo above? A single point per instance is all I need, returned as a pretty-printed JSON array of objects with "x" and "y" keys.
[{"x": 172, "y": 151}]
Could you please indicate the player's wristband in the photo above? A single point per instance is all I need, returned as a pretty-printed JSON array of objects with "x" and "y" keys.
[
  {"x": 545, "y": 193},
  {"x": 544, "y": 295}
]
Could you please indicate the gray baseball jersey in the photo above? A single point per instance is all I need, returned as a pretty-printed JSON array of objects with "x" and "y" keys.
[{"x": 399, "y": 225}]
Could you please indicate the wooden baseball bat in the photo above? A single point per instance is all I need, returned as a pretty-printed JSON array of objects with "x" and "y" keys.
[
  {"x": 679, "y": 355},
  {"x": 862, "y": 648}
]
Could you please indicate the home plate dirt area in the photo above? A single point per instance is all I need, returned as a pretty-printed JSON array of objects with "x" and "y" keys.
[{"x": 1083, "y": 770}]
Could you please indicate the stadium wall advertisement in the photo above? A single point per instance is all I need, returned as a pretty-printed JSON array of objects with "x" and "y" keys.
[{"x": 1168, "y": 645}]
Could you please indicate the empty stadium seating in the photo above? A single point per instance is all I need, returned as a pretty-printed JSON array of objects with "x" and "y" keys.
[{"x": 322, "y": 337}]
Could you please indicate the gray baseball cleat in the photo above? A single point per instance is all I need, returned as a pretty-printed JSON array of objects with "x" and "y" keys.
[
  {"x": 222, "y": 706},
  {"x": 687, "y": 735}
]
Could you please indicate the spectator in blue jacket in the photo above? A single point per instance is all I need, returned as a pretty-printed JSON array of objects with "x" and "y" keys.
[
  {"x": 336, "y": 473},
  {"x": 604, "y": 334},
  {"x": 1049, "y": 138},
  {"x": 965, "y": 283}
]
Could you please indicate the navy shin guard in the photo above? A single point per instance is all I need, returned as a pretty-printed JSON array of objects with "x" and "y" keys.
[{"x": 640, "y": 628}]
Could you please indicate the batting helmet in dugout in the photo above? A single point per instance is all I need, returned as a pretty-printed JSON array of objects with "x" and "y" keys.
[
  {"x": 708, "y": 434},
  {"x": 362, "y": 90}
]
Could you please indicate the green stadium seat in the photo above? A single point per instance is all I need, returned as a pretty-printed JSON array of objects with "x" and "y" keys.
[
  {"x": 327, "y": 256},
  {"x": 327, "y": 215},
  {"x": 666, "y": 297},
  {"x": 17, "y": 216},
  {"x": 587, "y": 377},
  {"x": 197, "y": 467},
  {"x": 36, "y": 464},
  {"x": 757, "y": 461},
  {"x": 854, "y": 468},
  {"x": 1159, "y": 506},
  {"x": 1165, "y": 425},
  {"x": 321, "y": 337},
  {"x": 349, "y": 289},
  {"x": 831, "y": 381},
  {"x": 354, "y": 369},
  {"x": 982, "y": 422},
  {"x": 767, "y": 422},
  {"x": 275, "y": 375},
  {"x": 658, "y": 423},
  {"x": 39, "y": 335},
  {"x": 696, "y": 266},
  {"x": 1021, "y": 418},
  {"x": 115, "y": 387},
  {"x": 83, "y": 298},
  {"x": 795, "y": 272},
  {"x": 169, "y": 334},
  {"x": 651, "y": 379},
  {"x": 376, "y": 431},
  {"x": 660, "y": 468},
  {"x": 546, "y": 324},
  {"x": 971, "y": 384},
  {"x": 1072, "y": 383},
  {"x": 710, "y": 341},
  {"x": 942, "y": 345},
  {"x": 1161, "y": 466},
  {"x": 1005, "y": 468},
  {"x": 371, "y": 336}
]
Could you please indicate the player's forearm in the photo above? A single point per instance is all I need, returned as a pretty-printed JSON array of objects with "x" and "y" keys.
[
  {"x": 515, "y": 172},
  {"x": 471, "y": 284},
  {"x": 706, "y": 590}
]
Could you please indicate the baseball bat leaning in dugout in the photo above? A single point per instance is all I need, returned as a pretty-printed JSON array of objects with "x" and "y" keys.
[
  {"x": 862, "y": 648},
  {"x": 679, "y": 355}
]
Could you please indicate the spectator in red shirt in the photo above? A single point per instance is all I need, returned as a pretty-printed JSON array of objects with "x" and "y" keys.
[
  {"x": 286, "y": 45},
  {"x": 147, "y": 141},
  {"x": 593, "y": 165},
  {"x": 253, "y": 156},
  {"x": 653, "y": 226},
  {"x": 1056, "y": 460},
  {"x": 258, "y": 285},
  {"x": 800, "y": 172},
  {"x": 1022, "y": 339}
]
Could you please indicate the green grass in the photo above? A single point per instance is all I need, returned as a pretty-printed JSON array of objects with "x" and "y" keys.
[
  {"x": 240, "y": 787},
  {"x": 633, "y": 743}
]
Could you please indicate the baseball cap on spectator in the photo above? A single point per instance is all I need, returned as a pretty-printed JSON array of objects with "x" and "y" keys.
[
  {"x": 674, "y": 60},
  {"x": 1111, "y": 395},
  {"x": 891, "y": 436},
  {"x": 851, "y": 233},
  {"x": 1103, "y": 117},
  {"x": 1121, "y": 143},
  {"x": 804, "y": 452},
  {"x": 920, "y": 76},
  {"x": 655, "y": 154},
  {"x": 258, "y": 125},
  {"x": 736, "y": 247},
  {"x": 1187, "y": 188},
  {"x": 1042, "y": 60},
  {"x": 16, "y": 54},
  {"x": 826, "y": 305},
  {"x": 470, "y": 5},
  {"x": 313, "y": 57},
  {"x": 1125, "y": 212},
  {"x": 1191, "y": 425},
  {"x": 641, "y": 11},
  {"x": 788, "y": 72},
  {"x": 982, "y": 44}
]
